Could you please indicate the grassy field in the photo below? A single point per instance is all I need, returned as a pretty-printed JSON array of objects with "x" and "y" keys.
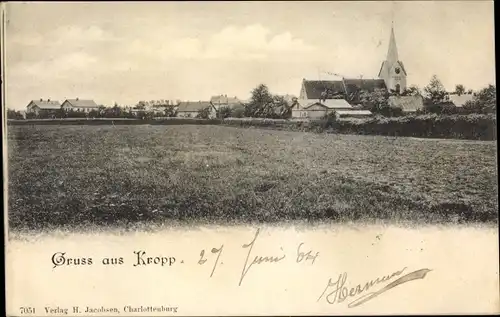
[{"x": 78, "y": 176}]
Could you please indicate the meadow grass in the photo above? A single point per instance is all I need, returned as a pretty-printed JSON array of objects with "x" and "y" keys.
[{"x": 119, "y": 176}]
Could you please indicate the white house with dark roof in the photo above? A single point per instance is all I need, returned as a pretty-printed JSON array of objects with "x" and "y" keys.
[
  {"x": 37, "y": 106},
  {"x": 190, "y": 109},
  {"x": 316, "y": 109},
  {"x": 80, "y": 105},
  {"x": 459, "y": 100}
]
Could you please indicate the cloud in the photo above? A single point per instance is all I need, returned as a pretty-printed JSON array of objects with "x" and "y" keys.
[
  {"x": 58, "y": 67},
  {"x": 253, "y": 42},
  {"x": 65, "y": 34}
]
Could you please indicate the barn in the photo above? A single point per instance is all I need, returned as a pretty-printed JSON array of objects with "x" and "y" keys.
[
  {"x": 191, "y": 109},
  {"x": 38, "y": 107},
  {"x": 79, "y": 105},
  {"x": 316, "y": 109}
]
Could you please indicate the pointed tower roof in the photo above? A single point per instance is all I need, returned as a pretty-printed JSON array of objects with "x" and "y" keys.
[{"x": 392, "y": 53}]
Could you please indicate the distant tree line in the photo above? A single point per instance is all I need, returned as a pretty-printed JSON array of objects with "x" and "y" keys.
[
  {"x": 115, "y": 111},
  {"x": 435, "y": 100},
  {"x": 264, "y": 104}
]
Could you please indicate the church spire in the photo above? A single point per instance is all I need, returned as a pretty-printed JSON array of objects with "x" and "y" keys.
[{"x": 392, "y": 53}]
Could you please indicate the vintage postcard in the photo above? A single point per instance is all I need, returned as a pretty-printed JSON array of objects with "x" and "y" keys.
[{"x": 250, "y": 158}]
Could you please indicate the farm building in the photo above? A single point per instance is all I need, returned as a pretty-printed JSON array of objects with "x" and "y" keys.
[
  {"x": 315, "y": 109},
  {"x": 459, "y": 100},
  {"x": 225, "y": 101},
  {"x": 409, "y": 104},
  {"x": 38, "y": 106},
  {"x": 191, "y": 109},
  {"x": 80, "y": 105}
]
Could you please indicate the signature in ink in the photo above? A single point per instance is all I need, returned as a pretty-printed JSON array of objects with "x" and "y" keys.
[{"x": 337, "y": 292}]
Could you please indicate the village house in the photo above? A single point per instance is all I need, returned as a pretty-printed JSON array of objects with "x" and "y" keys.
[
  {"x": 316, "y": 109},
  {"x": 222, "y": 101},
  {"x": 191, "y": 109},
  {"x": 43, "y": 106},
  {"x": 80, "y": 105},
  {"x": 459, "y": 100}
]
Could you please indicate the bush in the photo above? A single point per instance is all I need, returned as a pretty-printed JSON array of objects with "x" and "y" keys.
[
  {"x": 441, "y": 108},
  {"x": 238, "y": 112},
  {"x": 224, "y": 112},
  {"x": 204, "y": 113},
  {"x": 13, "y": 114}
]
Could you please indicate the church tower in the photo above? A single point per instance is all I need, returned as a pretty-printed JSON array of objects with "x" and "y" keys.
[{"x": 392, "y": 70}]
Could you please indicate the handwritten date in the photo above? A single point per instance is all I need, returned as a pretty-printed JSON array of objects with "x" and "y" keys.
[{"x": 252, "y": 260}]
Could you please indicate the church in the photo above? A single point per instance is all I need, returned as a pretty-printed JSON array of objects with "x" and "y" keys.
[
  {"x": 392, "y": 76},
  {"x": 392, "y": 70}
]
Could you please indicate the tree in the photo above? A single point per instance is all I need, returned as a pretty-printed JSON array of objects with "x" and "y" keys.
[
  {"x": 459, "y": 89},
  {"x": 170, "y": 111},
  {"x": 374, "y": 101},
  {"x": 13, "y": 114},
  {"x": 204, "y": 113},
  {"x": 238, "y": 111},
  {"x": 434, "y": 92},
  {"x": 484, "y": 101},
  {"x": 411, "y": 91},
  {"x": 224, "y": 112},
  {"x": 263, "y": 104},
  {"x": 378, "y": 102},
  {"x": 259, "y": 102},
  {"x": 285, "y": 108}
]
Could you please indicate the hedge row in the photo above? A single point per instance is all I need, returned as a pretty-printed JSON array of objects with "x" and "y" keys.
[{"x": 472, "y": 127}]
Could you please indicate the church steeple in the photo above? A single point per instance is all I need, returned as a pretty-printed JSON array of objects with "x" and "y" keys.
[
  {"x": 392, "y": 53},
  {"x": 392, "y": 70}
]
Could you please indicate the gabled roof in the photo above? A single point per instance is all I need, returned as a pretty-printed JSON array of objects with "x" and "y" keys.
[
  {"x": 385, "y": 62},
  {"x": 46, "y": 104},
  {"x": 459, "y": 101},
  {"x": 314, "y": 88},
  {"x": 81, "y": 103},
  {"x": 193, "y": 106},
  {"x": 225, "y": 100},
  {"x": 407, "y": 103},
  {"x": 328, "y": 103},
  {"x": 369, "y": 85}
]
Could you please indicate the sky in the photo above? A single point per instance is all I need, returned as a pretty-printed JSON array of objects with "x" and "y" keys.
[{"x": 125, "y": 52}]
